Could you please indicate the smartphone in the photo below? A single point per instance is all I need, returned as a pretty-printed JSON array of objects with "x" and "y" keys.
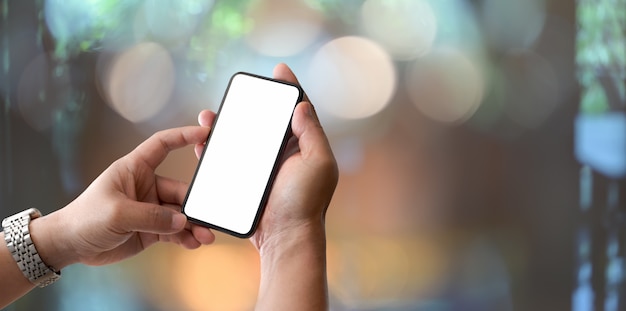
[{"x": 235, "y": 173}]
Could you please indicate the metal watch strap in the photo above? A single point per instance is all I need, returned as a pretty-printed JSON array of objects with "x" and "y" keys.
[{"x": 20, "y": 244}]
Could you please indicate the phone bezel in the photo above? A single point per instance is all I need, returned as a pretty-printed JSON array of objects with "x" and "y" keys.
[{"x": 277, "y": 162}]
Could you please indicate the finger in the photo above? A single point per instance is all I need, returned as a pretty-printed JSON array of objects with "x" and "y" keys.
[
  {"x": 183, "y": 238},
  {"x": 290, "y": 149},
  {"x": 172, "y": 194},
  {"x": 189, "y": 242},
  {"x": 148, "y": 217},
  {"x": 312, "y": 140},
  {"x": 283, "y": 72},
  {"x": 156, "y": 148},
  {"x": 202, "y": 234},
  {"x": 198, "y": 149},
  {"x": 171, "y": 191},
  {"x": 206, "y": 117},
  {"x": 174, "y": 207}
]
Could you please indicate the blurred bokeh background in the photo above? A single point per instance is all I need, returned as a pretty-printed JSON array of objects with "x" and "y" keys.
[{"x": 481, "y": 143}]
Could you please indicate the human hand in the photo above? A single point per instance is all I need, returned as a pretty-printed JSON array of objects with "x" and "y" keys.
[
  {"x": 291, "y": 236},
  {"x": 305, "y": 181},
  {"x": 125, "y": 210}
]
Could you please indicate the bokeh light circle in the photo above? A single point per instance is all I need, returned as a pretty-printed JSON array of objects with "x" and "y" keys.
[
  {"x": 354, "y": 78},
  {"x": 445, "y": 85},
  {"x": 406, "y": 28},
  {"x": 513, "y": 23},
  {"x": 220, "y": 277},
  {"x": 533, "y": 90},
  {"x": 140, "y": 81},
  {"x": 491, "y": 110},
  {"x": 283, "y": 28}
]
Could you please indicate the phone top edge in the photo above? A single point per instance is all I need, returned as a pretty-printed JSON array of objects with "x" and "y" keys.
[{"x": 300, "y": 90}]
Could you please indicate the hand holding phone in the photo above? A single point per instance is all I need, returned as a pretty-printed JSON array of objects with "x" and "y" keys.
[{"x": 236, "y": 170}]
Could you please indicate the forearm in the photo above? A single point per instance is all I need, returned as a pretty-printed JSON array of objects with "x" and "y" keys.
[
  {"x": 13, "y": 284},
  {"x": 293, "y": 272}
]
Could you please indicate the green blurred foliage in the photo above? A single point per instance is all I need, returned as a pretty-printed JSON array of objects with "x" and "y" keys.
[
  {"x": 225, "y": 23},
  {"x": 108, "y": 19},
  {"x": 601, "y": 52}
]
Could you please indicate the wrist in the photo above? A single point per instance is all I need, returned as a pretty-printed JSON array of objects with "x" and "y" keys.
[
  {"x": 310, "y": 236},
  {"x": 293, "y": 270},
  {"x": 47, "y": 233}
]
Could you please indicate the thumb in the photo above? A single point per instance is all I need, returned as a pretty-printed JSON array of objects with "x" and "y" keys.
[
  {"x": 307, "y": 128},
  {"x": 152, "y": 218},
  {"x": 304, "y": 119}
]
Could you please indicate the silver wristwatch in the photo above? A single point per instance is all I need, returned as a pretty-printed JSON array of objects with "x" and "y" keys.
[{"x": 20, "y": 244}]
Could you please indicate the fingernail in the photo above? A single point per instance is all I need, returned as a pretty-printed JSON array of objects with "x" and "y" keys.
[{"x": 179, "y": 221}]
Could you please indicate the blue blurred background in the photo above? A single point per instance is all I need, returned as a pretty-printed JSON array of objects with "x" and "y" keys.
[{"x": 481, "y": 143}]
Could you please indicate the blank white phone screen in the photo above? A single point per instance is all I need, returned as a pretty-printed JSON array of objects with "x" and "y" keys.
[{"x": 232, "y": 177}]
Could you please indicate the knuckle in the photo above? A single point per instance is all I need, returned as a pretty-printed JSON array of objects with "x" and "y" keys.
[
  {"x": 156, "y": 216},
  {"x": 115, "y": 214}
]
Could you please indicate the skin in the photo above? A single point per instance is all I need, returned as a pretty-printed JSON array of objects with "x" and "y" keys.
[
  {"x": 129, "y": 208},
  {"x": 291, "y": 237},
  {"x": 124, "y": 211}
]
